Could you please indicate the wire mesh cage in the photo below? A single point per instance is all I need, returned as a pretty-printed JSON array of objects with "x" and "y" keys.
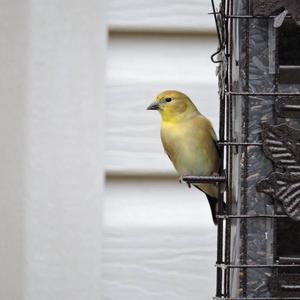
[{"x": 258, "y": 254}]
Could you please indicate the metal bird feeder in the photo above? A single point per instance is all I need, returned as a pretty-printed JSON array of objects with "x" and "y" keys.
[{"x": 258, "y": 60}]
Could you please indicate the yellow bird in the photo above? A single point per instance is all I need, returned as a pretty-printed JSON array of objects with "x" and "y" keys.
[{"x": 189, "y": 140}]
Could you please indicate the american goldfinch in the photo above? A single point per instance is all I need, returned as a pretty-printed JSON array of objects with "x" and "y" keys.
[{"x": 189, "y": 140}]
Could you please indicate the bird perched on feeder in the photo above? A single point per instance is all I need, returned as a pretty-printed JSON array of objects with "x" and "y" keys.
[{"x": 189, "y": 140}]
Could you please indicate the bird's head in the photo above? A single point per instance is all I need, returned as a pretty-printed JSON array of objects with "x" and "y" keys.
[{"x": 173, "y": 106}]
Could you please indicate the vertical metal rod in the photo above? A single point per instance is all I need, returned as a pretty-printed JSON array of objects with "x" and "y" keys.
[
  {"x": 276, "y": 204},
  {"x": 219, "y": 292},
  {"x": 229, "y": 34},
  {"x": 245, "y": 170}
]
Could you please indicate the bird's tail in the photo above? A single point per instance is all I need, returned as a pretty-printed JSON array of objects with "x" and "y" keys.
[
  {"x": 212, "y": 200},
  {"x": 214, "y": 207}
]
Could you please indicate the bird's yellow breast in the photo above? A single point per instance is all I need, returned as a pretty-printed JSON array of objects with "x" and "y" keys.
[{"x": 190, "y": 146}]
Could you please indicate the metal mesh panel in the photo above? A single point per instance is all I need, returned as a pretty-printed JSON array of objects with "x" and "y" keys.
[{"x": 256, "y": 258}]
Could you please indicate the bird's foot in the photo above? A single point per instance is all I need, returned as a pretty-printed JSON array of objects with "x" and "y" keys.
[{"x": 181, "y": 181}]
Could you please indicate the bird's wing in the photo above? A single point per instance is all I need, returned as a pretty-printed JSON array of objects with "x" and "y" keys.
[
  {"x": 212, "y": 134},
  {"x": 215, "y": 140}
]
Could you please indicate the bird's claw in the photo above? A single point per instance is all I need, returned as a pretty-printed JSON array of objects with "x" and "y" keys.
[{"x": 181, "y": 181}]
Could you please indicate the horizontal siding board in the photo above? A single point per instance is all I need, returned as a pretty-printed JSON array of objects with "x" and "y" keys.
[
  {"x": 138, "y": 68},
  {"x": 158, "y": 264},
  {"x": 161, "y": 16},
  {"x": 159, "y": 241},
  {"x": 135, "y": 58}
]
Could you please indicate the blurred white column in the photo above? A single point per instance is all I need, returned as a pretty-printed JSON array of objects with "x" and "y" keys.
[{"x": 51, "y": 179}]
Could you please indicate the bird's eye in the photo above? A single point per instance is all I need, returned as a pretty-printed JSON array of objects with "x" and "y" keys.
[{"x": 168, "y": 99}]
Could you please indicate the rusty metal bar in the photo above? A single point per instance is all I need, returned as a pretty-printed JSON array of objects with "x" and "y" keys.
[
  {"x": 256, "y": 298},
  {"x": 224, "y": 266},
  {"x": 286, "y": 259},
  {"x": 252, "y": 17},
  {"x": 290, "y": 287},
  {"x": 203, "y": 179},
  {"x": 261, "y": 93},
  {"x": 244, "y": 168},
  {"x": 229, "y": 137},
  {"x": 225, "y": 143},
  {"x": 244, "y": 216}
]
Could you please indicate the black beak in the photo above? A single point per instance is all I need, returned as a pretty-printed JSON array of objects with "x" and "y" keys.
[{"x": 153, "y": 106}]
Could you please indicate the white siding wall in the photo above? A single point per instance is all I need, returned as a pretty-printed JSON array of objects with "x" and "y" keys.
[
  {"x": 159, "y": 237},
  {"x": 51, "y": 176},
  {"x": 159, "y": 241},
  {"x": 161, "y": 16}
]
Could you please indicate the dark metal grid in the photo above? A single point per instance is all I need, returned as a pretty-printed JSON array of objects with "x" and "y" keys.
[
  {"x": 276, "y": 203},
  {"x": 220, "y": 222},
  {"x": 232, "y": 16},
  {"x": 226, "y": 18},
  {"x": 251, "y": 17},
  {"x": 229, "y": 266},
  {"x": 244, "y": 183},
  {"x": 251, "y": 216},
  {"x": 229, "y": 137},
  {"x": 261, "y": 94},
  {"x": 204, "y": 179},
  {"x": 257, "y": 298}
]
